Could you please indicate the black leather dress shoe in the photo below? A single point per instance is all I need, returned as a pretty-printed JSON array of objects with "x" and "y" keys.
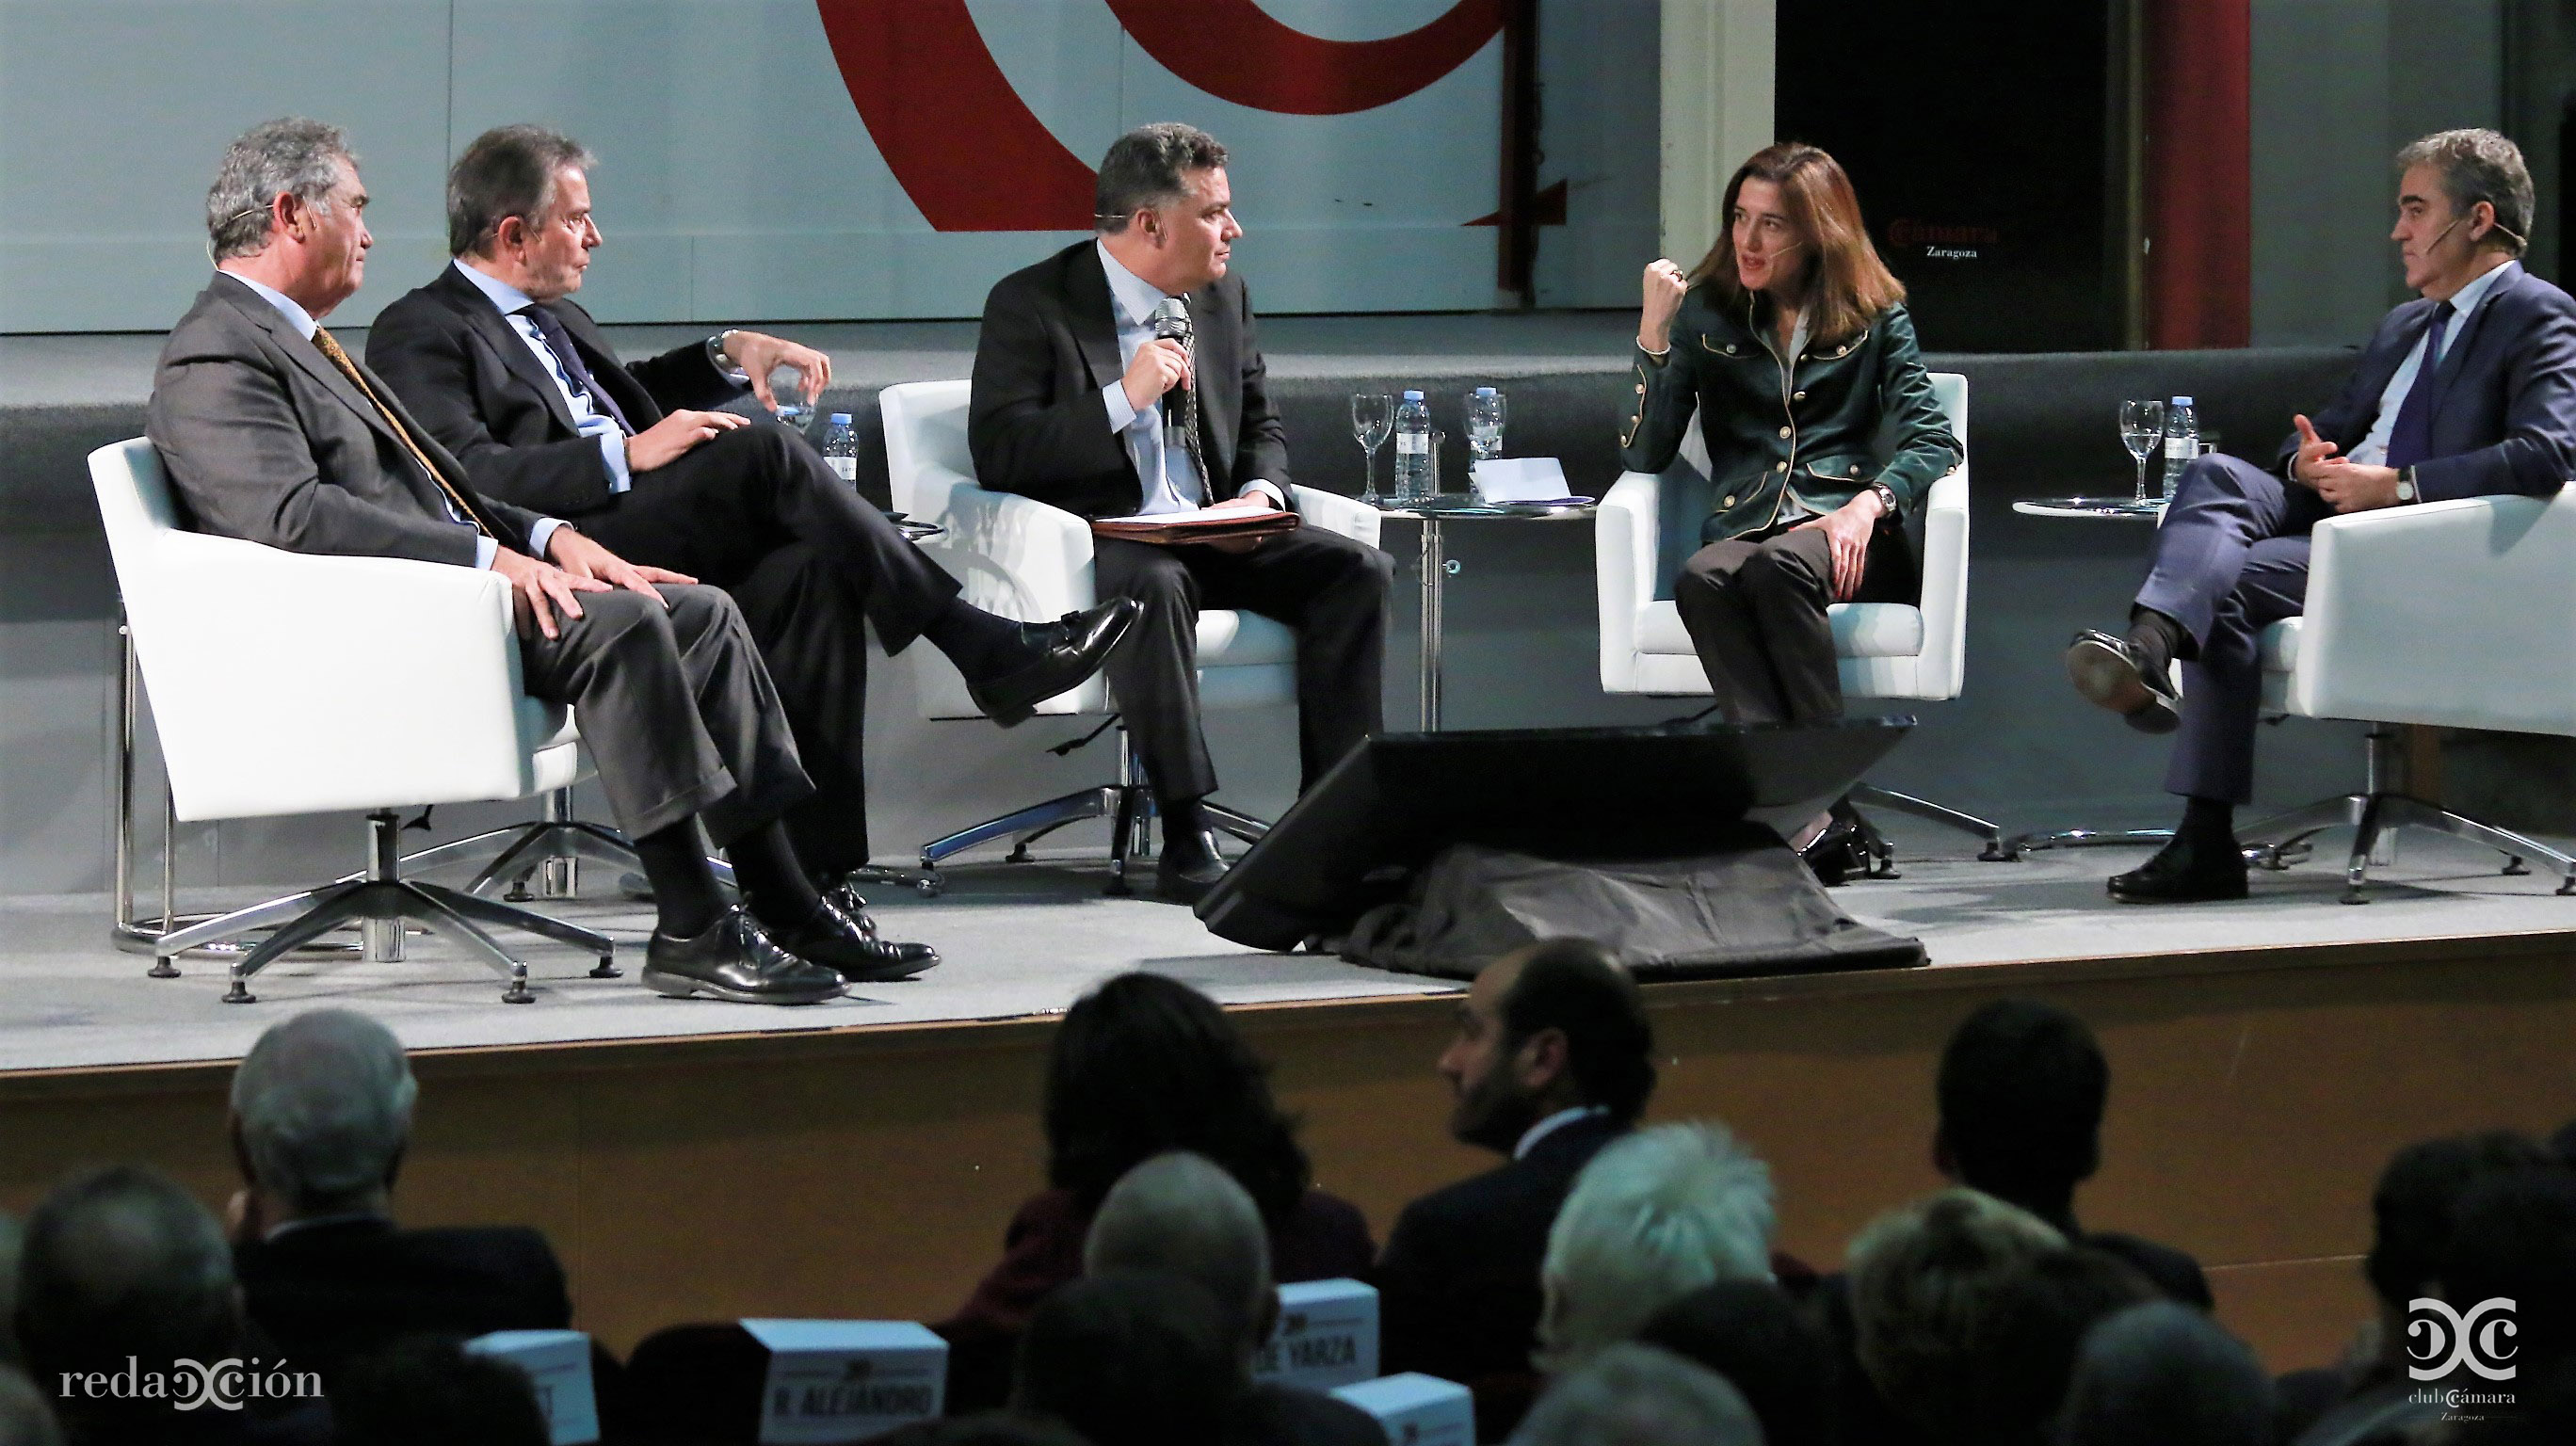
[
  {"x": 844, "y": 893},
  {"x": 1835, "y": 854},
  {"x": 831, "y": 938},
  {"x": 1189, "y": 867},
  {"x": 2112, "y": 672},
  {"x": 1050, "y": 658},
  {"x": 734, "y": 959},
  {"x": 2188, "y": 870}
]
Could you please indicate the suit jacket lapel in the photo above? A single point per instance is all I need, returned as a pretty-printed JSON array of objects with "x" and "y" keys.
[
  {"x": 1094, "y": 318},
  {"x": 308, "y": 356},
  {"x": 1220, "y": 384},
  {"x": 632, "y": 396},
  {"x": 2464, "y": 334},
  {"x": 499, "y": 333}
]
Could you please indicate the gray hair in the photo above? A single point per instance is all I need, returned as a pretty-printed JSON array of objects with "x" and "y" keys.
[
  {"x": 291, "y": 156},
  {"x": 124, "y": 1262},
  {"x": 1652, "y": 1218},
  {"x": 1183, "y": 1214},
  {"x": 1145, "y": 170},
  {"x": 324, "y": 1104},
  {"x": 2480, "y": 165},
  {"x": 1927, "y": 1280},
  {"x": 507, "y": 171},
  {"x": 1633, "y": 1395},
  {"x": 2163, "y": 1372}
]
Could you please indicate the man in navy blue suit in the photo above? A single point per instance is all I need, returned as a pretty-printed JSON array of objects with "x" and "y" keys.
[{"x": 2469, "y": 392}]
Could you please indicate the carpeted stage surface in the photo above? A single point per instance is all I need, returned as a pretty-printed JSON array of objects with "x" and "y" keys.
[{"x": 1022, "y": 940}]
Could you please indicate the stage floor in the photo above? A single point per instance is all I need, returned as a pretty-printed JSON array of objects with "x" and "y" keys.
[{"x": 1026, "y": 940}]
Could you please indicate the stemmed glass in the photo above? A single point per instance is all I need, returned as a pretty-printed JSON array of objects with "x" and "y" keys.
[
  {"x": 1372, "y": 417},
  {"x": 2141, "y": 424}
]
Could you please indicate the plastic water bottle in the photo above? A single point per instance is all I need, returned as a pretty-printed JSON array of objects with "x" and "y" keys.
[
  {"x": 1484, "y": 424},
  {"x": 841, "y": 449},
  {"x": 1412, "y": 451},
  {"x": 2182, "y": 442}
]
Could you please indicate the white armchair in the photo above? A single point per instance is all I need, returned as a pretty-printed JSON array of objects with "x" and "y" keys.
[
  {"x": 208, "y": 615},
  {"x": 1025, "y": 559},
  {"x": 1883, "y": 650},
  {"x": 2448, "y": 614}
]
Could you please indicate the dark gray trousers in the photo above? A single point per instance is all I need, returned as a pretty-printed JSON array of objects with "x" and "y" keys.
[
  {"x": 1755, "y": 610},
  {"x": 2230, "y": 560},
  {"x": 675, "y": 708},
  {"x": 1329, "y": 589}
]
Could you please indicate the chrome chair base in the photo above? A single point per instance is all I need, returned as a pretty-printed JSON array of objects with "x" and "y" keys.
[
  {"x": 1129, "y": 805},
  {"x": 2376, "y": 814},
  {"x": 1882, "y": 855},
  {"x": 380, "y": 903}
]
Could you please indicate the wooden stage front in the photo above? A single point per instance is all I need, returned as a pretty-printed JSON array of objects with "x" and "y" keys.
[{"x": 869, "y": 1170}]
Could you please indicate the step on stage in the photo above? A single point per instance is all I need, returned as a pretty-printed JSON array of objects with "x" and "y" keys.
[{"x": 696, "y": 1160}]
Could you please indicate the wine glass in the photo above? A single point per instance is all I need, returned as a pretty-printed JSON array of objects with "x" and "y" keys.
[
  {"x": 1372, "y": 416},
  {"x": 2141, "y": 423}
]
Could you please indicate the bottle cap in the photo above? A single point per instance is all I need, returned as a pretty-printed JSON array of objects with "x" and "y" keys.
[
  {"x": 2181, "y": 401},
  {"x": 1413, "y": 396},
  {"x": 840, "y": 419}
]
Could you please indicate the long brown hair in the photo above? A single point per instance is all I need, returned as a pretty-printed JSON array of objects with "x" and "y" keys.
[{"x": 1847, "y": 285}]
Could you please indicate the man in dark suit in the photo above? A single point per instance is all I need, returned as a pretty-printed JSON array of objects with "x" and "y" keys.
[
  {"x": 1082, "y": 403},
  {"x": 2469, "y": 392},
  {"x": 273, "y": 433},
  {"x": 1552, "y": 1060},
  {"x": 2022, "y": 1089},
  {"x": 514, "y": 377},
  {"x": 321, "y": 1118}
]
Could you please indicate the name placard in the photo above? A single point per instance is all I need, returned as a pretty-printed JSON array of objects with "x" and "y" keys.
[
  {"x": 1327, "y": 1336},
  {"x": 1416, "y": 1410},
  {"x": 559, "y": 1363},
  {"x": 846, "y": 1380}
]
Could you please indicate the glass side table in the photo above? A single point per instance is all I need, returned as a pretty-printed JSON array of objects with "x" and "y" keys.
[{"x": 1438, "y": 567}]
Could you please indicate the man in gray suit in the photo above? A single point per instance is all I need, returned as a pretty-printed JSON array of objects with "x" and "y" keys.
[{"x": 272, "y": 433}]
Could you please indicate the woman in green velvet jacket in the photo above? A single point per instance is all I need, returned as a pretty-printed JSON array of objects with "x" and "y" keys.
[{"x": 1791, "y": 345}]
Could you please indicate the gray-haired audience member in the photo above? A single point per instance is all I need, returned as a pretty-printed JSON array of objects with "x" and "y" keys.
[
  {"x": 1633, "y": 1395},
  {"x": 1927, "y": 1282},
  {"x": 1652, "y": 1218},
  {"x": 1179, "y": 1213},
  {"x": 1749, "y": 1332},
  {"x": 125, "y": 1273},
  {"x": 1130, "y": 1358},
  {"x": 2161, "y": 1374},
  {"x": 322, "y": 1117},
  {"x": 25, "y": 1418}
]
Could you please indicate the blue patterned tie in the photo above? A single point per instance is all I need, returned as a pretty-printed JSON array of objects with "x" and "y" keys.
[
  {"x": 559, "y": 341},
  {"x": 2412, "y": 435}
]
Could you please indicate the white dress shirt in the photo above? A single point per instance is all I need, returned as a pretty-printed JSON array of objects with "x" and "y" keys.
[
  {"x": 485, "y": 548},
  {"x": 2373, "y": 449},
  {"x": 1171, "y": 479},
  {"x": 1553, "y": 1123},
  {"x": 587, "y": 419}
]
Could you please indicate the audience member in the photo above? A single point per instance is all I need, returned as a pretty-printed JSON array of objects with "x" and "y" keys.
[
  {"x": 2563, "y": 1144},
  {"x": 124, "y": 1276},
  {"x": 430, "y": 1391},
  {"x": 984, "y": 1428},
  {"x": 12, "y": 1239},
  {"x": 1179, "y": 1214},
  {"x": 2022, "y": 1353},
  {"x": 2413, "y": 1210},
  {"x": 1633, "y": 1395},
  {"x": 2515, "y": 1239},
  {"x": 1652, "y": 1218},
  {"x": 1130, "y": 1358},
  {"x": 2022, "y": 1089},
  {"x": 1552, "y": 1060},
  {"x": 2161, "y": 1374},
  {"x": 321, "y": 1116},
  {"x": 1749, "y": 1332},
  {"x": 1142, "y": 1065},
  {"x": 1926, "y": 1284},
  {"x": 25, "y": 1418}
]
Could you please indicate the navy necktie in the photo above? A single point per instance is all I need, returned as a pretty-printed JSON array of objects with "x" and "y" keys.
[
  {"x": 559, "y": 341},
  {"x": 2412, "y": 435}
]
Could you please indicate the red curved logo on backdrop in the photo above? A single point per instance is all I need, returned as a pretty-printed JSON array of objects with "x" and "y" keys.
[{"x": 973, "y": 157}]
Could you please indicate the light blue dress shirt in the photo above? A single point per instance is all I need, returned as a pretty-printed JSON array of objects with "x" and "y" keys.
[
  {"x": 587, "y": 419},
  {"x": 1171, "y": 479},
  {"x": 485, "y": 548},
  {"x": 2373, "y": 448}
]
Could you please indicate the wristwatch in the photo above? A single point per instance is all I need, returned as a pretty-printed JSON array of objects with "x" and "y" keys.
[
  {"x": 2405, "y": 484},
  {"x": 723, "y": 359},
  {"x": 1886, "y": 497}
]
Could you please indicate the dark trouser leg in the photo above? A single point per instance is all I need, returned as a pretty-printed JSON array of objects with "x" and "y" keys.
[
  {"x": 719, "y": 509},
  {"x": 2223, "y": 688},
  {"x": 1789, "y": 584},
  {"x": 1718, "y": 615},
  {"x": 1153, "y": 673},
  {"x": 675, "y": 708},
  {"x": 2223, "y": 506},
  {"x": 811, "y": 625},
  {"x": 1332, "y": 592}
]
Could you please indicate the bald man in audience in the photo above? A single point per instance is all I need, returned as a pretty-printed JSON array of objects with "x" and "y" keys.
[{"x": 1181, "y": 1214}]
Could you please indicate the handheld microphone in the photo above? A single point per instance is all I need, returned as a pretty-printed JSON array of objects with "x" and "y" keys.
[{"x": 1171, "y": 322}]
